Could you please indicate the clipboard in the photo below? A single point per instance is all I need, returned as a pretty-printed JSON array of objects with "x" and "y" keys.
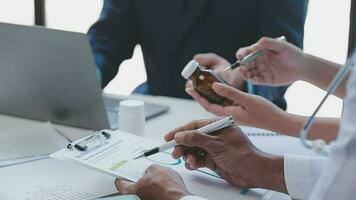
[{"x": 114, "y": 155}]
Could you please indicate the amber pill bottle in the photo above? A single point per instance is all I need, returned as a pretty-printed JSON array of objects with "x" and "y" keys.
[{"x": 203, "y": 80}]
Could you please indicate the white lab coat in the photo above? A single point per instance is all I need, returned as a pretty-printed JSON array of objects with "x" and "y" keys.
[
  {"x": 326, "y": 178},
  {"x": 338, "y": 179},
  {"x": 334, "y": 177}
]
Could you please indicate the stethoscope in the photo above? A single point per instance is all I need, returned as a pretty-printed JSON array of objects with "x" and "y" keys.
[{"x": 320, "y": 145}]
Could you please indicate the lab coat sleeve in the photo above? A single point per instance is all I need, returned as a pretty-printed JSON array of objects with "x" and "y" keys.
[
  {"x": 192, "y": 198},
  {"x": 338, "y": 179},
  {"x": 301, "y": 174}
]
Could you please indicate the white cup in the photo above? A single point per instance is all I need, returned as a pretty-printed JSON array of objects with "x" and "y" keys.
[{"x": 132, "y": 116}]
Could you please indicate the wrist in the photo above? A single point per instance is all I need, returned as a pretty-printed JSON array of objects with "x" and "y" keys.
[
  {"x": 307, "y": 69},
  {"x": 291, "y": 124},
  {"x": 277, "y": 121},
  {"x": 270, "y": 171}
]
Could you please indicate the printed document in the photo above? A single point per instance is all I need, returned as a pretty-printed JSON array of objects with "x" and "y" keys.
[
  {"x": 30, "y": 141},
  {"x": 115, "y": 157},
  {"x": 53, "y": 179}
]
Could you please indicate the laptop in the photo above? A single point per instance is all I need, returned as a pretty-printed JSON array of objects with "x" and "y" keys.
[{"x": 50, "y": 75}]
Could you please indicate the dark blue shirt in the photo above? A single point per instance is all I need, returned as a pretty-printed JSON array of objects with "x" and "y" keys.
[{"x": 171, "y": 32}]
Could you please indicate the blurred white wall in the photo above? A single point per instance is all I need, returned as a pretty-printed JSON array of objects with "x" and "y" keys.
[
  {"x": 79, "y": 15},
  {"x": 73, "y": 15},
  {"x": 326, "y": 35},
  {"x": 11, "y": 12}
]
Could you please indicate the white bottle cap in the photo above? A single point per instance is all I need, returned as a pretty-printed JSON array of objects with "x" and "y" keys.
[
  {"x": 131, "y": 107},
  {"x": 132, "y": 116},
  {"x": 189, "y": 69}
]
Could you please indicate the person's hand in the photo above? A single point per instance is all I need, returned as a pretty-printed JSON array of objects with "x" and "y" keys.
[
  {"x": 283, "y": 63},
  {"x": 247, "y": 109},
  {"x": 218, "y": 64},
  {"x": 230, "y": 154},
  {"x": 157, "y": 183}
]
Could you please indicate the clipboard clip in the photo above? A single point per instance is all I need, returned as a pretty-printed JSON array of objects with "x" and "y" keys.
[{"x": 95, "y": 140}]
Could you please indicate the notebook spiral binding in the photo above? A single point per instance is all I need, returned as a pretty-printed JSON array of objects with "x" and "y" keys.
[{"x": 263, "y": 134}]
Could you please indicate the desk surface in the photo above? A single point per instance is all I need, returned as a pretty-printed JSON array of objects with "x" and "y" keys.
[{"x": 181, "y": 111}]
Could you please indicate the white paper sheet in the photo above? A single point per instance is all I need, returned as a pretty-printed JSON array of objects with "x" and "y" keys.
[
  {"x": 13, "y": 162},
  {"x": 277, "y": 144},
  {"x": 30, "y": 141},
  {"x": 53, "y": 179}
]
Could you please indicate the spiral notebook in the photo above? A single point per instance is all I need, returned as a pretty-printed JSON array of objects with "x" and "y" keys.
[{"x": 275, "y": 143}]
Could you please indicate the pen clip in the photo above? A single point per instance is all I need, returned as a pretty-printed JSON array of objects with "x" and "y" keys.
[
  {"x": 217, "y": 125},
  {"x": 229, "y": 123}
]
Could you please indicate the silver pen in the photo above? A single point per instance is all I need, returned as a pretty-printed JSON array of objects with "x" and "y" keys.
[
  {"x": 210, "y": 128},
  {"x": 250, "y": 57}
]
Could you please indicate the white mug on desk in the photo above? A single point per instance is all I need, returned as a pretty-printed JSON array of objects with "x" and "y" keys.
[{"x": 132, "y": 116}]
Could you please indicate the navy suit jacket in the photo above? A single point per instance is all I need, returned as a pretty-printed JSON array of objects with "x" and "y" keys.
[{"x": 171, "y": 32}]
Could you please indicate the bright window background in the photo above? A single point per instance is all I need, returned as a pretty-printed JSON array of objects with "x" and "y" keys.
[
  {"x": 11, "y": 12},
  {"x": 326, "y": 35},
  {"x": 72, "y": 15}
]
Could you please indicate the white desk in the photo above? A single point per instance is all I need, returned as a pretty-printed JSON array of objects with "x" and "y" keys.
[{"x": 181, "y": 111}]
